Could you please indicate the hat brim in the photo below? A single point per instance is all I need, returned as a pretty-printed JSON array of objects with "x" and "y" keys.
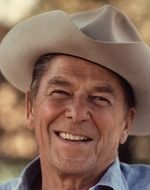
[{"x": 27, "y": 41}]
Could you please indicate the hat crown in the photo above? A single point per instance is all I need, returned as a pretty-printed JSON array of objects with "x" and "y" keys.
[{"x": 107, "y": 24}]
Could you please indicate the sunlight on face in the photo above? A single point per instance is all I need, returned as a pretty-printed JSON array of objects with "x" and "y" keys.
[{"x": 79, "y": 116}]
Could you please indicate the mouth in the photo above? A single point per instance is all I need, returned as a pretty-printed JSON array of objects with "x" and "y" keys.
[{"x": 72, "y": 137}]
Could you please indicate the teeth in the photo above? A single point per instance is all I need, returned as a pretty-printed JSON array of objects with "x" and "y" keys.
[{"x": 68, "y": 136}]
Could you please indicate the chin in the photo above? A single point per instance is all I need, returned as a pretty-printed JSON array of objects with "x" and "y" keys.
[{"x": 74, "y": 166}]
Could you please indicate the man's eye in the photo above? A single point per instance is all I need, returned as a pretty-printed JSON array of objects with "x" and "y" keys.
[
  {"x": 100, "y": 100},
  {"x": 59, "y": 93}
]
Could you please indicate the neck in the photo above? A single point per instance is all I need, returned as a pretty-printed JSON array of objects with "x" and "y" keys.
[
  {"x": 67, "y": 182},
  {"x": 54, "y": 179}
]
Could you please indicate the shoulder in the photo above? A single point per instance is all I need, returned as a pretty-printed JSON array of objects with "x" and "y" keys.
[
  {"x": 137, "y": 175},
  {"x": 10, "y": 185}
]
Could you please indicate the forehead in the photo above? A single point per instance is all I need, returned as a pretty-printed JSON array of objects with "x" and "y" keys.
[
  {"x": 80, "y": 69},
  {"x": 79, "y": 75}
]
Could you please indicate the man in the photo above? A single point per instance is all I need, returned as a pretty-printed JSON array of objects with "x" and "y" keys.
[{"x": 86, "y": 79}]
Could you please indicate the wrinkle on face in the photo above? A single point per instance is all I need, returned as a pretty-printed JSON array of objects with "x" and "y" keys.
[{"x": 81, "y": 98}]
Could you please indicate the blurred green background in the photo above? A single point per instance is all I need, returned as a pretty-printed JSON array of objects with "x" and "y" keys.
[{"x": 17, "y": 142}]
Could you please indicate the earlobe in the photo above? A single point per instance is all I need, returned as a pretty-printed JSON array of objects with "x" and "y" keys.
[
  {"x": 29, "y": 110},
  {"x": 127, "y": 125}
]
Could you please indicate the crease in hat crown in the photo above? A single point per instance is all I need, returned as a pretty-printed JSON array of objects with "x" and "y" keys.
[
  {"x": 105, "y": 36},
  {"x": 107, "y": 19}
]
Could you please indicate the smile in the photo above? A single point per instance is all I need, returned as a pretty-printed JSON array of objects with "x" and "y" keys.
[{"x": 71, "y": 137}]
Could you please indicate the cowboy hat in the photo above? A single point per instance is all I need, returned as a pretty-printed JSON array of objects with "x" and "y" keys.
[{"x": 105, "y": 36}]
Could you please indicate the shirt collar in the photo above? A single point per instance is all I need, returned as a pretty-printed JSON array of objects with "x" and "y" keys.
[
  {"x": 113, "y": 178},
  {"x": 29, "y": 174}
]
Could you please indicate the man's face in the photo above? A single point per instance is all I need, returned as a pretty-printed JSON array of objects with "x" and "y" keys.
[{"x": 79, "y": 116}]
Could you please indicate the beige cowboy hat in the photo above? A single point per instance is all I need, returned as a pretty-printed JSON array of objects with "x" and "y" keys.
[{"x": 105, "y": 36}]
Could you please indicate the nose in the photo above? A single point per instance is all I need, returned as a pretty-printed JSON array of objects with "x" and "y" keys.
[{"x": 78, "y": 111}]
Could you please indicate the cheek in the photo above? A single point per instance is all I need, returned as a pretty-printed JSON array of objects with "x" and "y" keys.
[
  {"x": 47, "y": 112},
  {"x": 109, "y": 117},
  {"x": 44, "y": 114},
  {"x": 104, "y": 119},
  {"x": 108, "y": 124}
]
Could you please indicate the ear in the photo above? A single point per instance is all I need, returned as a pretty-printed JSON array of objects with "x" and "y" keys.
[
  {"x": 29, "y": 110},
  {"x": 127, "y": 125}
]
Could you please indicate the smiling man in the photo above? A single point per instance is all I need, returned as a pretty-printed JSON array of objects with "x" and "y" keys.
[{"x": 83, "y": 98}]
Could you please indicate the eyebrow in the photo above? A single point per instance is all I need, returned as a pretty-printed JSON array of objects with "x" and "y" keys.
[
  {"x": 61, "y": 81},
  {"x": 105, "y": 88},
  {"x": 58, "y": 81}
]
